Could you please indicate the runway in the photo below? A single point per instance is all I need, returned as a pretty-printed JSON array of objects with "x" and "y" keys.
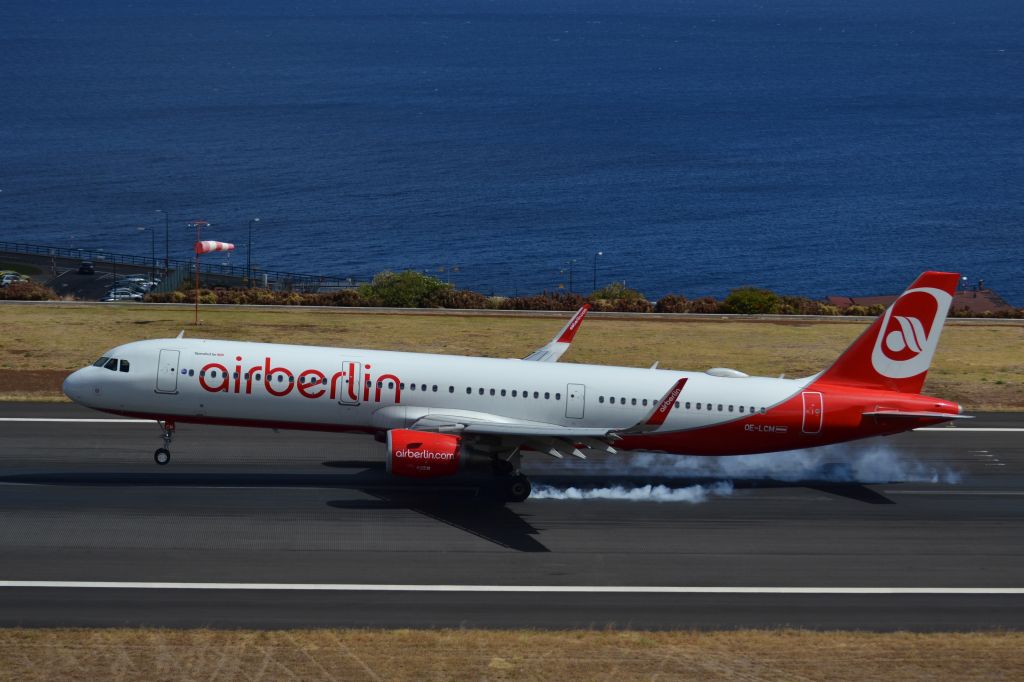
[{"x": 289, "y": 529}]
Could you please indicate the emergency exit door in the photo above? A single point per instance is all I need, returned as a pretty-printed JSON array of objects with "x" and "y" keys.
[{"x": 574, "y": 398}]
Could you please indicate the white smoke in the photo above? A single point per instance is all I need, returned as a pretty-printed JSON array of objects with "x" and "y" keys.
[
  {"x": 871, "y": 463},
  {"x": 693, "y": 494}
]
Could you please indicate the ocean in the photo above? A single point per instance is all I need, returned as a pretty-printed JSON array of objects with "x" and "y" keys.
[{"x": 809, "y": 147}]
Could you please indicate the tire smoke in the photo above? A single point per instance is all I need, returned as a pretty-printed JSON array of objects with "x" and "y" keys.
[{"x": 702, "y": 478}]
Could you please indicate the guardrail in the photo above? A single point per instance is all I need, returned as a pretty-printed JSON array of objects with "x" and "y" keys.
[{"x": 277, "y": 279}]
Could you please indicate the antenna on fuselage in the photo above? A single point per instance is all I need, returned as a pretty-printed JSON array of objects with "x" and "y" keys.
[{"x": 181, "y": 334}]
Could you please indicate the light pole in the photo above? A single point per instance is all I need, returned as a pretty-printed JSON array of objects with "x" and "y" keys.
[
  {"x": 248, "y": 253},
  {"x": 599, "y": 253},
  {"x": 152, "y": 251},
  {"x": 167, "y": 240}
]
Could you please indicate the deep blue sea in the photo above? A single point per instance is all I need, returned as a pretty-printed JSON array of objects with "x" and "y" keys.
[{"x": 808, "y": 146}]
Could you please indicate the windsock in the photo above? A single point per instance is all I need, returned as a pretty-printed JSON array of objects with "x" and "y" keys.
[{"x": 207, "y": 247}]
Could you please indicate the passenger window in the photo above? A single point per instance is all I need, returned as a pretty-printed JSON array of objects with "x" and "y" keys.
[
  {"x": 763, "y": 410},
  {"x": 468, "y": 390},
  {"x": 234, "y": 375},
  {"x": 391, "y": 384},
  {"x": 514, "y": 394},
  {"x": 710, "y": 407},
  {"x": 502, "y": 393},
  {"x": 677, "y": 404},
  {"x": 644, "y": 402},
  {"x": 730, "y": 408},
  {"x": 412, "y": 387},
  {"x": 191, "y": 372},
  {"x": 547, "y": 396},
  {"x": 536, "y": 395},
  {"x": 698, "y": 406},
  {"x": 124, "y": 365},
  {"x": 111, "y": 364},
  {"x": 492, "y": 391},
  {"x": 741, "y": 408},
  {"x": 100, "y": 362},
  {"x": 600, "y": 399},
  {"x": 634, "y": 401},
  {"x": 558, "y": 396},
  {"x": 687, "y": 405},
  {"x": 719, "y": 407}
]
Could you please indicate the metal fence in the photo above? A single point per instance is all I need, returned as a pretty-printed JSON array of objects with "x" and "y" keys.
[{"x": 275, "y": 279}]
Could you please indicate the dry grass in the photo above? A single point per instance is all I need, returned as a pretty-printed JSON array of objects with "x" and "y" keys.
[
  {"x": 505, "y": 655},
  {"x": 980, "y": 365}
]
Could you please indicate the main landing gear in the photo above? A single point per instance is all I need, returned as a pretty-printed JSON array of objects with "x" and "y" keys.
[
  {"x": 513, "y": 486},
  {"x": 163, "y": 455}
]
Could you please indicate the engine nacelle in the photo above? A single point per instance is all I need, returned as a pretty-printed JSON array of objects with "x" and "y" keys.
[{"x": 419, "y": 454}]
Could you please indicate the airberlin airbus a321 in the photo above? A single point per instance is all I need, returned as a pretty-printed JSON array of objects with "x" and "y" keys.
[{"x": 443, "y": 414}]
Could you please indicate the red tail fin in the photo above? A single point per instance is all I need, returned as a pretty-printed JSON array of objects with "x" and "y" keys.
[{"x": 896, "y": 351}]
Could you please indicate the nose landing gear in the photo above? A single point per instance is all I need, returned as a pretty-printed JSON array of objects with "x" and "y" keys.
[{"x": 163, "y": 455}]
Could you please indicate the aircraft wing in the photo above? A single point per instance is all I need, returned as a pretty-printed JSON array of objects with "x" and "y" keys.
[
  {"x": 558, "y": 345},
  {"x": 553, "y": 439}
]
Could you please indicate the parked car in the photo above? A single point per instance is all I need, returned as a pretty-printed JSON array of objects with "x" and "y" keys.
[
  {"x": 86, "y": 267},
  {"x": 11, "y": 278},
  {"x": 121, "y": 296}
]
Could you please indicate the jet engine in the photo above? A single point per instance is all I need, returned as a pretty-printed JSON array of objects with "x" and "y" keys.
[{"x": 419, "y": 454}]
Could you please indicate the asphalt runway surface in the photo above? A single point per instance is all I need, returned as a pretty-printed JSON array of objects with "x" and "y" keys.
[{"x": 264, "y": 529}]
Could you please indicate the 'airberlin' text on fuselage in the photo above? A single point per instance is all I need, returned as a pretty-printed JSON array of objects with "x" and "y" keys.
[{"x": 344, "y": 384}]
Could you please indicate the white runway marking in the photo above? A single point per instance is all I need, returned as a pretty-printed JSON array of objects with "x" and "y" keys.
[
  {"x": 555, "y": 589},
  {"x": 78, "y": 421},
  {"x": 954, "y": 492}
]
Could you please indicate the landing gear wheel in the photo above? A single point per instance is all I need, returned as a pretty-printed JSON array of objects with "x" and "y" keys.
[
  {"x": 162, "y": 456},
  {"x": 518, "y": 488}
]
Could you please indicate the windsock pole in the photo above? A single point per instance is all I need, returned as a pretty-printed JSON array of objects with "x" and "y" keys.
[{"x": 199, "y": 238}]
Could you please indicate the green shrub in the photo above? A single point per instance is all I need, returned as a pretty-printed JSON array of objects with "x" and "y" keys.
[
  {"x": 406, "y": 289},
  {"x": 545, "y": 301},
  {"x": 27, "y": 291},
  {"x": 672, "y": 303},
  {"x": 459, "y": 298},
  {"x": 752, "y": 301}
]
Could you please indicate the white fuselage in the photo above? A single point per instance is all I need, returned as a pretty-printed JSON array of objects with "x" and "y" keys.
[{"x": 229, "y": 381}]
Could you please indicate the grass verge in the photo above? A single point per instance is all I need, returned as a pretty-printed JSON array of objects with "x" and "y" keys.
[
  {"x": 980, "y": 365},
  {"x": 147, "y": 654}
]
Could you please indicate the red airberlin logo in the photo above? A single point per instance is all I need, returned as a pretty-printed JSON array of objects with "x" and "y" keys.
[
  {"x": 349, "y": 384},
  {"x": 909, "y": 325}
]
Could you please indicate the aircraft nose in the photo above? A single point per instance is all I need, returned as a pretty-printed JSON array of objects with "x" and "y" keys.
[{"x": 74, "y": 386}]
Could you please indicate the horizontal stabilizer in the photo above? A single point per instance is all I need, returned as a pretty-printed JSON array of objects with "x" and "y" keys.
[{"x": 896, "y": 414}]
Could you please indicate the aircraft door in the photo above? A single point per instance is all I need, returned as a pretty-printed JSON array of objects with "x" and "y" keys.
[
  {"x": 167, "y": 372},
  {"x": 351, "y": 383},
  {"x": 574, "y": 398},
  {"x": 814, "y": 409}
]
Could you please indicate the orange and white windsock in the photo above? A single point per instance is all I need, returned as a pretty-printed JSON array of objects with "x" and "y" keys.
[{"x": 207, "y": 247}]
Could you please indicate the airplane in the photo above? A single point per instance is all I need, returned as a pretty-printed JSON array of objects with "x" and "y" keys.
[{"x": 442, "y": 414}]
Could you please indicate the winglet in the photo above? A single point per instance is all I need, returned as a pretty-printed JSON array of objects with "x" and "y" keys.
[
  {"x": 657, "y": 416},
  {"x": 558, "y": 345}
]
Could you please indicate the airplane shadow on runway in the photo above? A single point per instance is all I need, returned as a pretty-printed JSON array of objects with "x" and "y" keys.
[{"x": 472, "y": 506}]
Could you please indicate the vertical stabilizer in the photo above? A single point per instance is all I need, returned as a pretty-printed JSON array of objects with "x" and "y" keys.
[{"x": 896, "y": 350}]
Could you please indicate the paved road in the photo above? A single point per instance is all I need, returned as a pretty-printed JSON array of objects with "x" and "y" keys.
[{"x": 82, "y": 501}]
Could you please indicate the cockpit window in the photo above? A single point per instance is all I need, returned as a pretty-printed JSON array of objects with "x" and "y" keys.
[
  {"x": 99, "y": 363},
  {"x": 111, "y": 364},
  {"x": 124, "y": 365}
]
